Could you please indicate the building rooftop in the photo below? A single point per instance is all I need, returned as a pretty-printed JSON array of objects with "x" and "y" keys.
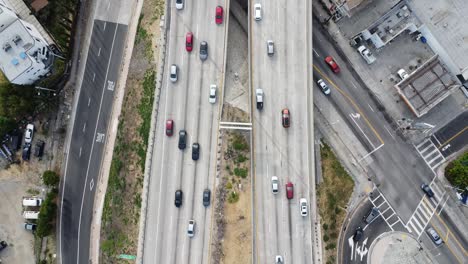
[{"x": 15, "y": 51}]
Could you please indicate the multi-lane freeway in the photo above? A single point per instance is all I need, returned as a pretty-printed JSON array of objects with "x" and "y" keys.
[
  {"x": 283, "y": 152},
  {"x": 186, "y": 103}
]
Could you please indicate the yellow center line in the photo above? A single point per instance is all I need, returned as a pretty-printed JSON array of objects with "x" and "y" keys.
[
  {"x": 351, "y": 101},
  {"x": 449, "y": 231},
  {"x": 453, "y": 137}
]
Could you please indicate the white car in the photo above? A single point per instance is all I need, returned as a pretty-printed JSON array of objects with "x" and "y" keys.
[
  {"x": 402, "y": 73},
  {"x": 191, "y": 228},
  {"x": 278, "y": 259},
  {"x": 366, "y": 54},
  {"x": 324, "y": 87},
  {"x": 174, "y": 73},
  {"x": 28, "y": 134},
  {"x": 270, "y": 47},
  {"x": 258, "y": 12},
  {"x": 303, "y": 205},
  {"x": 274, "y": 184},
  {"x": 212, "y": 94},
  {"x": 179, "y": 4}
]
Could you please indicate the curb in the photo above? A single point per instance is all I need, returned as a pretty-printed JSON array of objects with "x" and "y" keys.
[{"x": 152, "y": 133}]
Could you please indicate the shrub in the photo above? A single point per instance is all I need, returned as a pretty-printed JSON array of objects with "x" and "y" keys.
[
  {"x": 325, "y": 238},
  {"x": 241, "y": 172},
  {"x": 229, "y": 185},
  {"x": 241, "y": 158},
  {"x": 47, "y": 215},
  {"x": 50, "y": 178},
  {"x": 233, "y": 197},
  {"x": 457, "y": 172}
]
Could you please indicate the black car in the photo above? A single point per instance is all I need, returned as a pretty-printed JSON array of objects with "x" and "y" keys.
[
  {"x": 203, "y": 50},
  {"x": 26, "y": 152},
  {"x": 195, "y": 151},
  {"x": 178, "y": 198},
  {"x": 358, "y": 234},
  {"x": 427, "y": 190},
  {"x": 182, "y": 139},
  {"x": 39, "y": 150},
  {"x": 206, "y": 197},
  {"x": 3, "y": 245}
]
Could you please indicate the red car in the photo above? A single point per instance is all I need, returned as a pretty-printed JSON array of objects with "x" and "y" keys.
[
  {"x": 285, "y": 117},
  {"x": 169, "y": 127},
  {"x": 189, "y": 41},
  {"x": 333, "y": 66},
  {"x": 219, "y": 15},
  {"x": 289, "y": 190}
]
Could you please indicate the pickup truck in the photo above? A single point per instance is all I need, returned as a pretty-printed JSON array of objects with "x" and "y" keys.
[
  {"x": 259, "y": 95},
  {"x": 366, "y": 54}
]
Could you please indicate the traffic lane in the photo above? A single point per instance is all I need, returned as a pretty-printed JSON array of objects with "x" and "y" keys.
[
  {"x": 82, "y": 136},
  {"x": 100, "y": 135},
  {"x": 453, "y": 136},
  {"x": 453, "y": 238},
  {"x": 443, "y": 253}
]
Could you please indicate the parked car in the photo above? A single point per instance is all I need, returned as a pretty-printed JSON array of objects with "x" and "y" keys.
[
  {"x": 191, "y": 228},
  {"x": 366, "y": 54},
  {"x": 189, "y": 41},
  {"x": 303, "y": 206},
  {"x": 203, "y": 50},
  {"x": 178, "y": 198},
  {"x": 371, "y": 215},
  {"x": 195, "y": 151},
  {"x": 278, "y": 259},
  {"x": 39, "y": 150},
  {"x": 28, "y": 134},
  {"x": 179, "y": 4},
  {"x": 173, "y": 73},
  {"x": 426, "y": 189},
  {"x": 26, "y": 155},
  {"x": 169, "y": 127},
  {"x": 274, "y": 184},
  {"x": 324, "y": 87},
  {"x": 332, "y": 64},
  {"x": 358, "y": 234},
  {"x": 219, "y": 15},
  {"x": 212, "y": 98},
  {"x": 182, "y": 139},
  {"x": 270, "y": 47},
  {"x": 258, "y": 12},
  {"x": 259, "y": 95},
  {"x": 285, "y": 116},
  {"x": 32, "y": 201},
  {"x": 402, "y": 74},
  {"x": 434, "y": 236},
  {"x": 289, "y": 190},
  {"x": 206, "y": 197},
  {"x": 30, "y": 226}
]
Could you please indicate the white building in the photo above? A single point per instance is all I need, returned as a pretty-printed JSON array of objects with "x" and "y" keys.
[{"x": 24, "y": 53}]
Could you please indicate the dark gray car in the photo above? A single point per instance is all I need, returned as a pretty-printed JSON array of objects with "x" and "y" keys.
[
  {"x": 206, "y": 197},
  {"x": 203, "y": 50},
  {"x": 373, "y": 213},
  {"x": 178, "y": 198},
  {"x": 182, "y": 139}
]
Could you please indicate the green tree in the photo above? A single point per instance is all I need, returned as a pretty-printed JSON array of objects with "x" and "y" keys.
[
  {"x": 457, "y": 172},
  {"x": 6, "y": 125},
  {"x": 50, "y": 178},
  {"x": 47, "y": 215}
]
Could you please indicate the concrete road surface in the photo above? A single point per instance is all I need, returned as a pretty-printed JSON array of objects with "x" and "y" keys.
[
  {"x": 186, "y": 102},
  {"x": 90, "y": 131},
  {"x": 279, "y": 151}
]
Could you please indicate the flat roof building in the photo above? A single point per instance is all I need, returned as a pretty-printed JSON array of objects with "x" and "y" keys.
[{"x": 24, "y": 54}]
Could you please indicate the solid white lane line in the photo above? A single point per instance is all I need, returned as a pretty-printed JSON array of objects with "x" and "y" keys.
[
  {"x": 316, "y": 53},
  {"x": 360, "y": 129},
  {"x": 92, "y": 147},
  {"x": 84, "y": 127},
  {"x": 80, "y": 152},
  {"x": 99, "y": 52},
  {"x": 369, "y": 106},
  {"x": 390, "y": 133},
  {"x": 94, "y": 76},
  {"x": 89, "y": 101}
]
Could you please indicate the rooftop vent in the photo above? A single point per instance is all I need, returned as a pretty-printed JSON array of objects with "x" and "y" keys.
[
  {"x": 6, "y": 47},
  {"x": 16, "y": 39}
]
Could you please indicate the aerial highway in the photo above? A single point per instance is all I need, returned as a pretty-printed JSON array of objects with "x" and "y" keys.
[
  {"x": 185, "y": 102},
  {"x": 90, "y": 128},
  {"x": 279, "y": 150}
]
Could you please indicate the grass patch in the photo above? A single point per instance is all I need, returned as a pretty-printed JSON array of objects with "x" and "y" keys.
[
  {"x": 333, "y": 195},
  {"x": 145, "y": 109},
  {"x": 239, "y": 143}
]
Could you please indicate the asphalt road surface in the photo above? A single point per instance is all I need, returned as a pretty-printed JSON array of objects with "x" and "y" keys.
[
  {"x": 89, "y": 134},
  {"x": 186, "y": 102},
  {"x": 396, "y": 167},
  {"x": 453, "y": 136},
  {"x": 279, "y": 151}
]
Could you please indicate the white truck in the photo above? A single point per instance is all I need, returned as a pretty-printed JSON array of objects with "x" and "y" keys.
[
  {"x": 366, "y": 54},
  {"x": 259, "y": 96}
]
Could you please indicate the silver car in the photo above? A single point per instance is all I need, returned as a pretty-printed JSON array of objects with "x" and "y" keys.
[
  {"x": 203, "y": 50},
  {"x": 324, "y": 87},
  {"x": 191, "y": 228},
  {"x": 274, "y": 184},
  {"x": 434, "y": 236},
  {"x": 270, "y": 47},
  {"x": 258, "y": 11}
]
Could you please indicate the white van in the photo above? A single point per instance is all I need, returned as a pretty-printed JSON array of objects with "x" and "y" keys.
[
  {"x": 30, "y": 215},
  {"x": 32, "y": 201}
]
